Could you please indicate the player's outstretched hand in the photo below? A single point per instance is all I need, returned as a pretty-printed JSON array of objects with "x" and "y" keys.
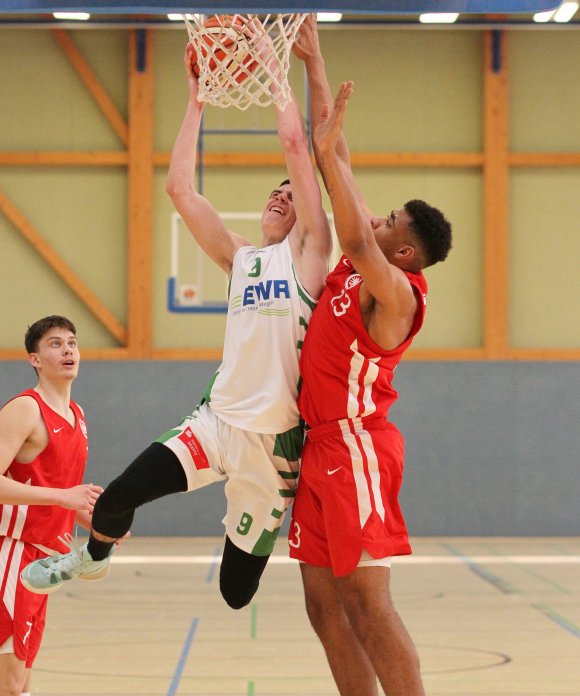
[
  {"x": 307, "y": 45},
  {"x": 188, "y": 60},
  {"x": 82, "y": 497},
  {"x": 329, "y": 129}
]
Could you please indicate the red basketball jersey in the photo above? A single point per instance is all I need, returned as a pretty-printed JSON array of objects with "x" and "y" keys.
[
  {"x": 60, "y": 465},
  {"x": 345, "y": 373}
]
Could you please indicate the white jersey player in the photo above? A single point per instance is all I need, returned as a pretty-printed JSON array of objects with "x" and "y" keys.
[{"x": 246, "y": 429}]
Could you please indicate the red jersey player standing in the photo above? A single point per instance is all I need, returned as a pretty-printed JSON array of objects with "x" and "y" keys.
[
  {"x": 346, "y": 521},
  {"x": 43, "y": 452}
]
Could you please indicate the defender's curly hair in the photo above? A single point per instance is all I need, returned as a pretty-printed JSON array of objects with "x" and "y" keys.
[{"x": 432, "y": 230}]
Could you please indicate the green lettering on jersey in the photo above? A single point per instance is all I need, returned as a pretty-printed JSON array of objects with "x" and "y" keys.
[
  {"x": 245, "y": 523},
  {"x": 256, "y": 269}
]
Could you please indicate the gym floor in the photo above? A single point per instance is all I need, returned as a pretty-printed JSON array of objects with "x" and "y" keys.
[{"x": 489, "y": 616}]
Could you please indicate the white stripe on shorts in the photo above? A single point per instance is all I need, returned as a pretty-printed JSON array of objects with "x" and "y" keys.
[{"x": 11, "y": 578}]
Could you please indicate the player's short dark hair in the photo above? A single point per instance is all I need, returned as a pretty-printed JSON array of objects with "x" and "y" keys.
[
  {"x": 286, "y": 182},
  {"x": 37, "y": 330},
  {"x": 432, "y": 230}
]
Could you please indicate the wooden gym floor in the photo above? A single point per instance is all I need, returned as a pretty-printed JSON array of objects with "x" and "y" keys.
[{"x": 489, "y": 616}]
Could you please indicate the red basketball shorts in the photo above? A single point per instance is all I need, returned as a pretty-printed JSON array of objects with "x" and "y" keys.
[
  {"x": 22, "y": 613},
  {"x": 347, "y": 498}
]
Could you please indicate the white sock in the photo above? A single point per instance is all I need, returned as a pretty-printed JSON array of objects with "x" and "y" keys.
[{"x": 25, "y": 693}]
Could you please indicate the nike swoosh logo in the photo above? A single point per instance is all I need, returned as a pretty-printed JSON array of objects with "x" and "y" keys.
[
  {"x": 333, "y": 471},
  {"x": 57, "y": 430}
]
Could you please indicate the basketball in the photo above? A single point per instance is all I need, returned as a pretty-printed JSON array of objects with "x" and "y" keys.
[{"x": 226, "y": 48}]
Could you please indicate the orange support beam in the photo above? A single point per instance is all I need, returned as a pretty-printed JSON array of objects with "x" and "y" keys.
[
  {"x": 91, "y": 82},
  {"x": 357, "y": 159},
  {"x": 64, "y": 159},
  {"x": 495, "y": 194},
  {"x": 41, "y": 246},
  {"x": 140, "y": 181}
]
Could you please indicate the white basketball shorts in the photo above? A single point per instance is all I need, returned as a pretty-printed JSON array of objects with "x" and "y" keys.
[{"x": 260, "y": 479}]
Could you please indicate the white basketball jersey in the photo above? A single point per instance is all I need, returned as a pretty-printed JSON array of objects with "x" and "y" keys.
[{"x": 256, "y": 386}]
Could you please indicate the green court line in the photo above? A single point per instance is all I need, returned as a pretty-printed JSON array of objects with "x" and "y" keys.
[
  {"x": 482, "y": 572},
  {"x": 253, "y": 621},
  {"x": 528, "y": 570},
  {"x": 558, "y": 619},
  {"x": 253, "y": 631}
]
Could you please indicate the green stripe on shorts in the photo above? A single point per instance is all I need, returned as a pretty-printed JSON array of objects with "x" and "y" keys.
[
  {"x": 288, "y": 445},
  {"x": 168, "y": 435},
  {"x": 265, "y": 544},
  {"x": 289, "y": 475}
]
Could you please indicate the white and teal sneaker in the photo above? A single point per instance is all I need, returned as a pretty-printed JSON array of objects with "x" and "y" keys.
[{"x": 48, "y": 574}]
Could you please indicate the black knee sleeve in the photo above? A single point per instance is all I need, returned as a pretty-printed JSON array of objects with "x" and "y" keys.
[
  {"x": 240, "y": 575},
  {"x": 155, "y": 473}
]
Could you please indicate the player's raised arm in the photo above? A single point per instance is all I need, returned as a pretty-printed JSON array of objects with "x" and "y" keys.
[
  {"x": 312, "y": 243},
  {"x": 201, "y": 218},
  {"x": 386, "y": 283},
  {"x": 307, "y": 48},
  {"x": 352, "y": 223}
]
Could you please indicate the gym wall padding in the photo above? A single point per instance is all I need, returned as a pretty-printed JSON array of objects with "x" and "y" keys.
[{"x": 492, "y": 448}]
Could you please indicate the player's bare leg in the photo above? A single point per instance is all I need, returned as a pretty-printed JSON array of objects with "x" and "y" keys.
[
  {"x": 367, "y": 601},
  {"x": 13, "y": 675},
  {"x": 349, "y": 663}
]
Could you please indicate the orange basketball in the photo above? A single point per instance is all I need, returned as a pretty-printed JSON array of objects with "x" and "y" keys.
[{"x": 225, "y": 47}]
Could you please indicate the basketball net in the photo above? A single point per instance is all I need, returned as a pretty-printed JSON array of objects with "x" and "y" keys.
[{"x": 243, "y": 59}]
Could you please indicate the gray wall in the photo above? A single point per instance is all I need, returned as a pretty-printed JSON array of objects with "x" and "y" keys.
[{"x": 492, "y": 448}]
